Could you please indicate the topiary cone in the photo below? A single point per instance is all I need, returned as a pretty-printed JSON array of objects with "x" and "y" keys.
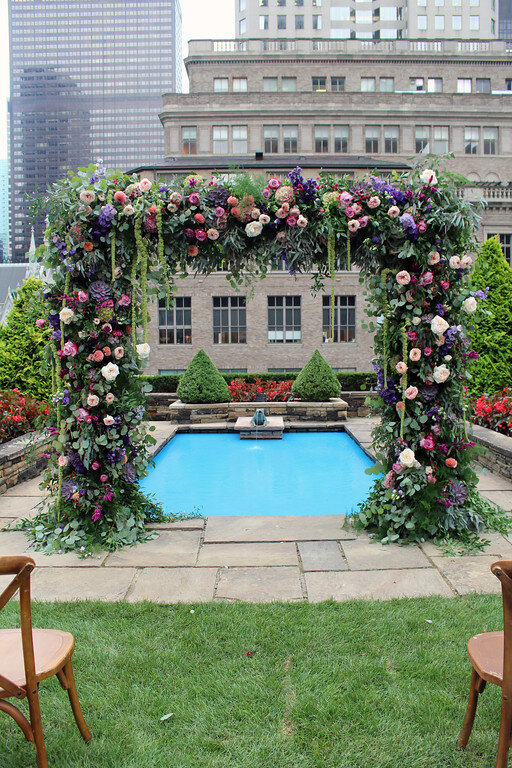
[
  {"x": 317, "y": 381},
  {"x": 202, "y": 383}
]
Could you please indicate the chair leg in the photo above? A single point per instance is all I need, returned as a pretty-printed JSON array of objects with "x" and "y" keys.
[
  {"x": 505, "y": 730},
  {"x": 37, "y": 728},
  {"x": 476, "y": 686},
  {"x": 68, "y": 682}
]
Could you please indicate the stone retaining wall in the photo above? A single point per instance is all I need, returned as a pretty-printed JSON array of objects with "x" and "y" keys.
[
  {"x": 494, "y": 450},
  {"x": 21, "y": 459},
  {"x": 191, "y": 413}
]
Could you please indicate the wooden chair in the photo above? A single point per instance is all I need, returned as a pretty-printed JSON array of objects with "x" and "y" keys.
[
  {"x": 491, "y": 659},
  {"x": 28, "y": 656}
]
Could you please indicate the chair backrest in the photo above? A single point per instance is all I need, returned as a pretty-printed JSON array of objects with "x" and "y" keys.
[
  {"x": 503, "y": 570},
  {"x": 20, "y": 566}
]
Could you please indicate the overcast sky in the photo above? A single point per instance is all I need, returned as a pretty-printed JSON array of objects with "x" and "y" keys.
[{"x": 201, "y": 19}]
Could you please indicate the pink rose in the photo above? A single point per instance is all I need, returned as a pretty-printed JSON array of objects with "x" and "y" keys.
[
  {"x": 97, "y": 356},
  {"x": 107, "y": 351},
  {"x": 175, "y": 197},
  {"x": 346, "y": 198},
  {"x": 412, "y": 335},
  {"x": 274, "y": 183},
  {"x": 120, "y": 197},
  {"x": 82, "y": 414},
  {"x": 415, "y": 354},
  {"x": 353, "y": 225},
  {"x": 201, "y": 235},
  {"x": 70, "y": 349},
  {"x": 363, "y": 221},
  {"x": 118, "y": 352},
  {"x": 265, "y": 219},
  {"x": 434, "y": 257},
  {"x": 82, "y": 296},
  {"x": 40, "y": 323},
  {"x": 92, "y": 400},
  {"x": 427, "y": 443},
  {"x": 451, "y": 463},
  {"x": 103, "y": 478},
  {"x": 427, "y": 278},
  {"x": 301, "y": 222},
  {"x": 124, "y": 300},
  {"x": 266, "y": 193},
  {"x": 445, "y": 284},
  {"x": 422, "y": 226},
  {"x": 394, "y": 211},
  {"x": 357, "y": 209},
  {"x": 95, "y": 465},
  {"x": 108, "y": 421},
  {"x": 427, "y": 351},
  {"x": 411, "y": 392},
  {"x": 397, "y": 467},
  {"x": 109, "y": 397},
  {"x": 409, "y": 295},
  {"x": 188, "y": 232},
  {"x": 403, "y": 277},
  {"x": 219, "y": 211},
  {"x": 199, "y": 218},
  {"x": 374, "y": 202},
  {"x": 63, "y": 461},
  {"x": 291, "y": 221},
  {"x": 194, "y": 198},
  {"x": 349, "y": 212},
  {"x": 401, "y": 368}
]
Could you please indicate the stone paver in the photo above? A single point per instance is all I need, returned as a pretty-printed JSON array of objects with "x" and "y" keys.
[
  {"x": 363, "y": 554},
  {"x": 321, "y": 556},
  {"x": 13, "y": 543},
  {"x": 194, "y": 524},
  {"x": 276, "y": 528},
  {"x": 6, "y": 521},
  {"x": 27, "y": 488},
  {"x": 260, "y": 585},
  {"x": 18, "y": 506},
  {"x": 49, "y": 584},
  {"x": 469, "y": 574},
  {"x": 268, "y": 553},
  {"x": 377, "y": 585},
  {"x": 169, "y": 549},
  {"x": 174, "y": 585},
  {"x": 501, "y": 498},
  {"x": 499, "y": 547},
  {"x": 67, "y": 559},
  {"x": 488, "y": 481}
]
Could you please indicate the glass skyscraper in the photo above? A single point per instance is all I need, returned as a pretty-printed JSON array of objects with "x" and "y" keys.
[{"x": 87, "y": 78}]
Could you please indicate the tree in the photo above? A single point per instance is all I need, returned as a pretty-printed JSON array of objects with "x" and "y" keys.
[
  {"x": 202, "y": 383},
  {"x": 491, "y": 336},
  {"x": 317, "y": 381}
]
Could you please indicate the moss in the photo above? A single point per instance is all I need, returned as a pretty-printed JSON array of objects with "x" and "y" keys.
[
  {"x": 317, "y": 381},
  {"x": 202, "y": 383}
]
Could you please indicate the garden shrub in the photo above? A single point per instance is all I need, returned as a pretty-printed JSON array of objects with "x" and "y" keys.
[
  {"x": 491, "y": 337},
  {"x": 349, "y": 380},
  {"x": 18, "y": 413},
  {"x": 22, "y": 343},
  {"x": 317, "y": 381},
  {"x": 246, "y": 391},
  {"x": 202, "y": 383},
  {"x": 495, "y": 412}
]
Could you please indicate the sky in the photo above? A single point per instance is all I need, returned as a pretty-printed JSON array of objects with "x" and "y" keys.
[{"x": 202, "y": 19}]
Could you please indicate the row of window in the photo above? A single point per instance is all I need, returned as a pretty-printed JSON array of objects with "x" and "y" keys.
[
  {"x": 230, "y": 321},
  {"x": 318, "y": 4},
  {"x": 365, "y": 17},
  {"x": 377, "y": 139}
]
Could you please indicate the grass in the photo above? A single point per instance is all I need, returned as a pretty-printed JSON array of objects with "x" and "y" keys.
[{"x": 350, "y": 685}]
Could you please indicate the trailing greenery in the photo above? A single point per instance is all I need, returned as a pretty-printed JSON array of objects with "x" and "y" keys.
[
  {"x": 22, "y": 344},
  {"x": 351, "y": 381},
  {"x": 317, "y": 381},
  {"x": 202, "y": 383},
  {"x": 491, "y": 335}
]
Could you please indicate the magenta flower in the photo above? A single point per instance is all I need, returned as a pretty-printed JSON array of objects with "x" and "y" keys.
[
  {"x": 194, "y": 198},
  {"x": 40, "y": 322},
  {"x": 427, "y": 443},
  {"x": 349, "y": 212},
  {"x": 219, "y": 211},
  {"x": 274, "y": 183},
  {"x": 124, "y": 301},
  {"x": 291, "y": 221},
  {"x": 96, "y": 514},
  {"x": 201, "y": 235}
]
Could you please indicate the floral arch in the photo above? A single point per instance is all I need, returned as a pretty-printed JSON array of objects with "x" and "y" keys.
[{"x": 113, "y": 240}]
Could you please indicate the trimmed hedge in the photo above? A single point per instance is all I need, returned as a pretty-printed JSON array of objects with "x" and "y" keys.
[
  {"x": 317, "y": 381},
  {"x": 202, "y": 383},
  {"x": 351, "y": 381}
]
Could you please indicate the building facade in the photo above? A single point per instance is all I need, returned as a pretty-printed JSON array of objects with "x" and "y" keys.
[
  {"x": 367, "y": 20},
  {"x": 4, "y": 211},
  {"x": 86, "y": 83}
]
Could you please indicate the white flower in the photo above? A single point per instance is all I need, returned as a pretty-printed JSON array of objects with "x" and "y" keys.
[
  {"x": 429, "y": 177},
  {"x": 439, "y": 325},
  {"x": 66, "y": 315},
  {"x": 416, "y": 320},
  {"x": 455, "y": 262},
  {"x": 145, "y": 185},
  {"x": 469, "y": 304},
  {"x": 110, "y": 372},
  {"x": 143, "y": 350},
  {"x": 128, "y": 210},
  {"x": 441, "y": 373},
  {"x": 253, "y": 228},
  {"x": 407, "y": 458},
  {"x": 466, "y": 261}
]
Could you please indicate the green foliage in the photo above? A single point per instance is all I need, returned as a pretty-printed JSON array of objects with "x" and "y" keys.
[
  {"x": 317, "y": 381},
  {"x": 351, "y": 381},
  {"x": 22, "y": 344},
  {"x": 491, "y": 335},
  {"x": 202, "y": 383}
]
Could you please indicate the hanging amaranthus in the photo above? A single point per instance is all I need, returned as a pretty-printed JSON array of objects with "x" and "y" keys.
[
  {"x": 404, "y": 383},
  {"x": 161, "y": 258},
  {"x": 331, "y": 262},
  {"x": 385, "y": 327}
]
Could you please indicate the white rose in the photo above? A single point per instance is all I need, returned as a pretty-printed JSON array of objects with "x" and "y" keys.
[
  {"x": 441, "y": 373},
  {"x": 439, "y": 325},
  {"x": 455, "y": 262},
  {"x": 466, "y": 261},
  {"x": 469, "y": 304},
  {"x": 110, "y": 372},
  {"x": 66, "y": 315},
  {"x": 407, "y": 458},
  {"x": 143, "y": 350},
  {"x": 253, "y": 228},
  {"x": 429, "y": 177},
  {"x": 416, "y": 320}
]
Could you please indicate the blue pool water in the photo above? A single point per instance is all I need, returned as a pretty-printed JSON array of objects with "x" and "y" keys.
[{"x": 316, "y": 473}]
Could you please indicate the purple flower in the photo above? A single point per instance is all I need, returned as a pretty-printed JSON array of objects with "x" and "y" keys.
[
  {"x": 481, "y": 295},
  {"x": 129, "y": 473}
]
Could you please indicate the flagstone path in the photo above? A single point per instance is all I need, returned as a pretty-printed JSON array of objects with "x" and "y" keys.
[{"x": 257, "y": 559}]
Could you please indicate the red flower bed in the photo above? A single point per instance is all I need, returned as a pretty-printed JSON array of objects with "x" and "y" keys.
[
  {"x": 18, "y": 413},
  {"x": 244, "y": 391},
  {"x": 495, "y": 412}
]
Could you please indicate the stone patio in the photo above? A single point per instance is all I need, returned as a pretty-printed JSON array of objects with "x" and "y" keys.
[{"x": 257, "y": 559}]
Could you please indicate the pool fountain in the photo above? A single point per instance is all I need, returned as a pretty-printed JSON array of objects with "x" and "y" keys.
[{"x": 260, "y": 427}]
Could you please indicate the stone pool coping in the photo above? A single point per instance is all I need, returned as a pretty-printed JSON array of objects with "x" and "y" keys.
[{"x": 257, "y": 559}]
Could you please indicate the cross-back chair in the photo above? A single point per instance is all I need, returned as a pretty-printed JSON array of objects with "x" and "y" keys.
[
  {"x": 490, "y": 655},
  {"x": 28, "y": 656}
]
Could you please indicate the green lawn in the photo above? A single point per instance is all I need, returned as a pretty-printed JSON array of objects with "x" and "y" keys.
[{"x": 350, "y": 685}]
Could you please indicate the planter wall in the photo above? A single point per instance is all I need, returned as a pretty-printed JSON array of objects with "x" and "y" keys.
[
  {"x": 183, "y": 413},
  {"x": 21, "y": 459},
  {"x": 494, "y": 450}
]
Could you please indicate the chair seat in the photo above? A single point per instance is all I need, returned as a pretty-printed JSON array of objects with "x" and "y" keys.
[
  {"x": 485, "y": 652},
  {"x": 52, "y": 648}
]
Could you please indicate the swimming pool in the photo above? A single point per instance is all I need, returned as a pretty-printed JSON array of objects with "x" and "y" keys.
[{"x": 305, "y": 473}]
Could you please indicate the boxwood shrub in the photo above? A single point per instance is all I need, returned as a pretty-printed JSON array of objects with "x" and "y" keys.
[
  {"x": 351, "y": 381},
  {"x": 317, "y": 381},
  {"x": 202, "y": 383}
]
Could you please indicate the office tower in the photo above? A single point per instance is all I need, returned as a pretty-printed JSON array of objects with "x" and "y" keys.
[
  {"x": 86, "y": 83},
  {"x": 505, "y": 19},
  {"x": 4, "y": 212}
]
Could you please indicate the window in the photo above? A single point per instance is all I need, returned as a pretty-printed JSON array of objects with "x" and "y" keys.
[
  {"x": 189, "y": 139},
  {"x": 440, "y": 139},
  {"x": 337, "y": 84},
  {"x": 341, "y": 138},
  {"x": 391, "y": 133},
  {"x": 363, "y": 17},
  {"x": 264, "y": 21},
  {"x": 367, "y": 84},
  {"x": 474, "y": 23},
  {"x": 435, "y": 85},
  {"x": 229, "y": 320},
  {"x": 344, "y": 318},
  {"x": 439, "y": 23},
  {"x": 263, "y": 3},
  {"x": 319, "y": 83},
  {"x": 220, "y": 84},
  {"x": 242, "y": 26},
  {"x": 270, "y": 138},
  {"x": 471, "y": 139},
  {"x": 483, "y": 85},
  {"x": 220, "y": 140},
  {"x": 508, "y": 83},
  {"x": 299, "y": 21},
  {"x": 506, "y": 244},
  {"x": 493, "y": 27},
  {"x": 284, "y": 321},
  {"x": 290, "y": 138},
  {"x": 464, "y": 85},
  {"x": 340, "y": 14},
  {"x": 490, "y": 141},
  {"x": 175, "y": 324},
  {"x": 387, "y": 84},
  {"x": 317, "y": 21},
  {"x": 269, "y": 84},
  {"x": 239, "y": 85},
  {"x": 388, "y": 14},
  {"x": 289, "y": 84},
  {"x": 371, "y": 136},
  {"x": 281, "y": 3},
  {"x": 417, "y": 83},
  {"x": 242, "y": 5},
  {"x": 239, "y": 134},
  {"x": 456, "y": 23},
  {"x": 321, "y": 138},
  {"x": 422, "y": 22},
  {"x": 422, "y": 138},
  {"x": 281, "y": 22}
]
